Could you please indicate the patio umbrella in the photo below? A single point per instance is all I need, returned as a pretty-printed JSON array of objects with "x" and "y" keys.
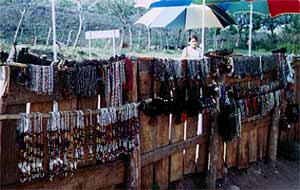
[
  {"x": 172, "y": 3},
  {"x": 264, "y": 7},
  {"x": 186, "y": 17},
  {"x": 144, "y": 3},
  {"x": 271, "y": 8}
]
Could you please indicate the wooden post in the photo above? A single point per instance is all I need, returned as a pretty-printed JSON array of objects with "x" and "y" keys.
[
  {"x": 273, "y": 138},
  {"x": 214, "y": 152},
  {"x": 4, "y": 83},
  {"x": 135, "y": 158}
]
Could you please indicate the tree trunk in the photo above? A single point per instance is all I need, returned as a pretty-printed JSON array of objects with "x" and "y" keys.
[
  {"x": 79, "y": 30},
  {"x": 69, "y": 38},
  {"x": 214, "y": 152},
  {"x": 222, "y": 43},
  {"x": 19, "y": 24},
  {"x": 35, "y": 36},
  {"x": 139, "y": 39},
  {"x": 130, "y": 36},
  {"x": 149, "y": 38},
  {"x": 122, "y": 38},
  {"x": 48, "y": 37},
  {"x": 35, "y": 40},
  {"x": 161, "y": 40},
  {"x": 178, "y": 38},
  {"x": 21, "y": 35},
  {"x": 107, "y": 44},
  {"x": 215, "y": 40},
  {"x": 167, "y": 40},
  {"x": 239, "y": 38},
  {"x": 62, "y": 37}
]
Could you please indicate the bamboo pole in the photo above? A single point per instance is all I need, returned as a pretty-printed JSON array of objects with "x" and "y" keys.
[{"x": 47, "y": 115}]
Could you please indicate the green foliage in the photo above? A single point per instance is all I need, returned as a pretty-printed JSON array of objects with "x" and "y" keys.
[{"x": 268, "y": 34}]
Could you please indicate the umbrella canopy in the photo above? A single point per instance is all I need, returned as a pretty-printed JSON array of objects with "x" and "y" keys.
[
  {"x": 264, "y": 7},
  {"x": 172, "y": 3},
  {"x": 185, "y": 17},
  {"x": 144, "y": 3}
]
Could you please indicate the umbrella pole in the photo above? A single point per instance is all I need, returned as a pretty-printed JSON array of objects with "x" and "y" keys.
[
  {"x": 203, "y": 20},
  {"x": 54, "y": 31},
  {"x": 250, "y": 29},
  {"x": 55, "y": 103}
]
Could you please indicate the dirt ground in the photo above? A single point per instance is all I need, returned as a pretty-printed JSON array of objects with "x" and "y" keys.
[{"x": 286, "y": 176}]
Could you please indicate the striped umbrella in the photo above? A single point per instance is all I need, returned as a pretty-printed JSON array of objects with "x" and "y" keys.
[
  {"x": 265, "y": 7},
  {"x": 223, "y": 18},
  {"x": 185, "y": 17},
  {"x": 172, "y": 3}
]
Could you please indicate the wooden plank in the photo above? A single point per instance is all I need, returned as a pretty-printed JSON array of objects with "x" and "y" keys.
[
  {"x": 260, "y": 141},
  {"x": 166, "y": 151},
  {"x": 162, "y": 139},
  {"x": 8, "y": 146},
  {"x": 265, "y": 138},
  {"x": 220, "y": 167},
  {"x": 146, "y": 134},
  {"x": 103, "y": 176},
  {"x": 253, "y": 144},
  {"x": 176, "y": 170},
  {"x": 147, "y": 177},
  {"x": 162, "y": 131},
  {"x": 148, "y": 130},
  {"x": 145, "y": 78},
  {"x": 133, "y": 92},
  {"x": 20, "y": 95},
  {"x": 243, "y": 149},
  {"x": 231, "y": 155},
  {"x": 206, "y": 123},
  {"x": 85, "y": 103},
  {"x": 67, "y": 105},
  {"x": 202, "y": 158},
  {"x": 190, "y": 153},
  {"x": 162, "y": 173}
]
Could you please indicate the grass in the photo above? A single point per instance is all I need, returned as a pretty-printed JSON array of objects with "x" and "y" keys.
[{"x": 81, "y": 53}]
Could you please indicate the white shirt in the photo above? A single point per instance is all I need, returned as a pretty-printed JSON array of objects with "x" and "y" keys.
[{"x": 191, "y": 53}]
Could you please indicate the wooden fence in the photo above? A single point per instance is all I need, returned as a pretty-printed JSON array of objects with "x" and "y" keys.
[{"x": 168, "y": 151}]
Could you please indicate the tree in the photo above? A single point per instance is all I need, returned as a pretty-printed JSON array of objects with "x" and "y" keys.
[
  {"x": 26, "y": 4},
  {"x": 125, "y": 12},
  {"x": 79, "y": 10}
]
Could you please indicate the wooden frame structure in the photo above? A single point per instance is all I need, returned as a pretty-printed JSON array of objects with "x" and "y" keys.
[{"x": 166, "y": 154}]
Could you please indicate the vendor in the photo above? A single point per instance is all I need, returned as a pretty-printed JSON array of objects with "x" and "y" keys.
[{"x": 192, "y": 51}]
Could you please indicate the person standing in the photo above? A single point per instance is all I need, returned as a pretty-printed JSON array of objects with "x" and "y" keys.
[{"x": 192, "y": 51}]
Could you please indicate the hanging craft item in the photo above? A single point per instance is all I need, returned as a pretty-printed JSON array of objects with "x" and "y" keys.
[
  {"x": 90, "y": 128},
  {"x": 55, "y": 151},
  {"x": 66, "y": 142},
  {"x": 254, "y": 66},
  {"x": 41, "y": 79},
  {"x": 106, "y": 118},
  {"x": 229, "y": 118},
  {"x": 24, "y": 147},
  {"x": 38, "y": 170},
  {"x": 182, "y": 83},
  {"x": 78, "y": 139},
  {"x": 114, "y": 79},
  {"x": 258, "y": 101},
  {"x": 116, "y": 132},
  {"x": 86, "y": 80}
]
